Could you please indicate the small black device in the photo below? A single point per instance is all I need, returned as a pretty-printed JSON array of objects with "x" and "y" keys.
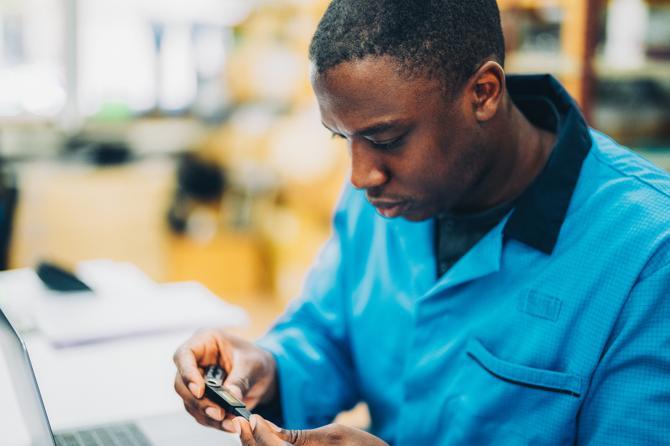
[
  {"x": 58, "y": 278},
  {"x": 215, "y": 391}
]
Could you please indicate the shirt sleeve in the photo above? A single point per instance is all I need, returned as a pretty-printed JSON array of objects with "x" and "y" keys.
[
  {"x": 629, "y": 398},
  {"x": 310, "y": 342}
]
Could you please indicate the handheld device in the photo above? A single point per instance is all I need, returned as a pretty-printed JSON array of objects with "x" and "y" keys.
[
  {"x": 215, "y": 391},
  {"x": 57, "y": 278}
]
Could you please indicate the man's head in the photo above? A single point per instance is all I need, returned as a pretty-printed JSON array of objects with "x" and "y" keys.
[
  {"x": 411, "y": 86},
  {"x": 446, "y": 39}
]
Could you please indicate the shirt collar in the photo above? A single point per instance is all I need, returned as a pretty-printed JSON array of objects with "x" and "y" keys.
[{"x": 540, "y": 211}]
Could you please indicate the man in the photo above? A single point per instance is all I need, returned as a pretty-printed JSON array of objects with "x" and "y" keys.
[{"x": 521, "y": 298}]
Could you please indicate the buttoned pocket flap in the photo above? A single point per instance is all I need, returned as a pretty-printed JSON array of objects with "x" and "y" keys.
[{"x": 520, "y": 374}]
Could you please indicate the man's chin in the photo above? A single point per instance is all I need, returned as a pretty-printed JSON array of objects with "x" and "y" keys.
[
  {"x": 416, "y": 218},
  {"x": 409, "y": 215}
]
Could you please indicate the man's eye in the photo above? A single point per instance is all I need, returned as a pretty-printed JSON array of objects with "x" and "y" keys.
[{"x": 388, "y": 144}]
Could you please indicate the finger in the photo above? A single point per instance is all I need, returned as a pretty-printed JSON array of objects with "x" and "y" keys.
[
  {"x": 200, "y": 418},
  {"x": 227, "y": 420},
  {"x": 186, "y": 360},
  {"x": 203, "y": 416},
  {"x": 334, "y": 434},
  {"x": 228, "y": 425},
  {"x": 267, "y": 433},
  {"x": 215, "y": 413},
  {"x": 202, "y": 406},
  {"x": 203, "y": 349},
  {"x": 239, "y": 382},
  {"x": 182, "y": 390},
  {"x": 245, "y": 431}
]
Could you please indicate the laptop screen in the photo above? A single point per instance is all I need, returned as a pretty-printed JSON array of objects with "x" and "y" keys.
[{"x": 24, "y": 385}]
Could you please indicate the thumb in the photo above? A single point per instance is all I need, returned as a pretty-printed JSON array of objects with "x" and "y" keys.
[
  {"x": 264, "y": 433},
  {"x": 294, "y": 437},
  {"x": 331, "y": 434},
  {"x": 238, "y": 382}
]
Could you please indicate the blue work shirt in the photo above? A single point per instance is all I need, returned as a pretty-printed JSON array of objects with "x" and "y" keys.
[{"x": 553, "y": 329}]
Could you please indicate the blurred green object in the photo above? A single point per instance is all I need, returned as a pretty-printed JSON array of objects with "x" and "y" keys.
[{"x": 113, "y": 112}]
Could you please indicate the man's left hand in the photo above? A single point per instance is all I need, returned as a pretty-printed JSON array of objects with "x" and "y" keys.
[{"x": 260, "y": 432}]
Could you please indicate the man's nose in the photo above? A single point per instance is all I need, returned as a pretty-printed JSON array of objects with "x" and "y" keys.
[{"x": 367, "y": 171}]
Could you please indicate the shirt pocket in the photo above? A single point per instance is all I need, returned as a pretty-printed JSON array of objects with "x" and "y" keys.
[
  {"x": 499, "y": 401},
  {"x": 569, "y": 383}
]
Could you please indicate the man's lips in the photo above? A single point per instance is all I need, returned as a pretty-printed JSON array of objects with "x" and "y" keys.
[{"x": 389, "y": 208}]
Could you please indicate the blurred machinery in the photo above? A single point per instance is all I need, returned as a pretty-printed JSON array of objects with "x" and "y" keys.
[
  {"x": 285, "y": 171},
  {"x": 202, "y": 156}
]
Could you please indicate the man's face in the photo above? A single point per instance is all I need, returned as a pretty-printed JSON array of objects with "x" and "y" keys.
[{"x": 413, "y": 151}]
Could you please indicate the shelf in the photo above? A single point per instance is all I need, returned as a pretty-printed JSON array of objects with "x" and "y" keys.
[
  {"x": 531, "y": 4},
  {"x": 558, "y": 64},
  {"x": 651, "y": 69},
  {"x": 535, "y": 4}
]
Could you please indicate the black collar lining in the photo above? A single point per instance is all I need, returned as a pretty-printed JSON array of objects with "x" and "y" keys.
[{"x": 540, "y": 211}]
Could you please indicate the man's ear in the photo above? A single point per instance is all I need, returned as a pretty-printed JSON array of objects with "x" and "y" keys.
[{"x": 486, "y": 89}]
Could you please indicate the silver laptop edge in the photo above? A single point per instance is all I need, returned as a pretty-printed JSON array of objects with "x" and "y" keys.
[
  {"x": 25, "y": 384},
  {"x": 168, "y": 429}
]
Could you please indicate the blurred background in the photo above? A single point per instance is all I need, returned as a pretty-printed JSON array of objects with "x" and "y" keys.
[{"x": 183, "y": 136}]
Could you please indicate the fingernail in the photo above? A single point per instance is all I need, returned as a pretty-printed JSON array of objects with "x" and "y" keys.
[
  {"x": 252, "y": 422},
  {"x": 237, "y": 393},
  {"x": 228, "y": 425},
  {"x": 194, "y": 390},
  {"x": 214, "y": 413},
  {"x": 273, "y": 426},
  {"x": 238, "y": 428}
]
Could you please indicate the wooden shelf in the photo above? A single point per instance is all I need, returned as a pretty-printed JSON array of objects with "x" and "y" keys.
[
  {"x": 573, "y": 64},
  {"x": 558, "y": 64},
  {"x": 531, "y": 4},
  {"x": 537, "y": 4},
  {"x": 651, "y": 69}
]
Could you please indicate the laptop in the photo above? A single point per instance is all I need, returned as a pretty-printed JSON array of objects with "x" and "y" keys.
[{"x": 171, "y": 429}]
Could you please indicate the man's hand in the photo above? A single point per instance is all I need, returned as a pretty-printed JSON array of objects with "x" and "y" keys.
[
  {"x": 250, "y": 375},
  {"x": 259, "y": 432}
]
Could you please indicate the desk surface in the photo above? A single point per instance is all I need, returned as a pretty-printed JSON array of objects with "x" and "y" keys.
[
  {"x": 116, "y": 380},
  {"x": 131, "y": 378},
  {"x": 97, "y": 384},
  {"x": 111, "y": 381}
]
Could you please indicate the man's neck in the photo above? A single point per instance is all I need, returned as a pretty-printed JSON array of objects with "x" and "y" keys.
[{"x": 520, "y": 152}]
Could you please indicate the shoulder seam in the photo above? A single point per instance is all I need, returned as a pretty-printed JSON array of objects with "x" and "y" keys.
[{"x": 629, "y": 175}]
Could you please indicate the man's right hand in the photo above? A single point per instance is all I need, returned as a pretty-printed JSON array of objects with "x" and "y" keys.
[
  {"x": 250, "y": 375},
  {"x": 260, "y": 432}
]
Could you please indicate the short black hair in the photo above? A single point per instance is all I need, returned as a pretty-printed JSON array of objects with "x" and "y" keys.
[{"x": 448, "y": 39}]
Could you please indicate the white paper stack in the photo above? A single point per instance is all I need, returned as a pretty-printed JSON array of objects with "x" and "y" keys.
[{"x": 124, "y": 303}]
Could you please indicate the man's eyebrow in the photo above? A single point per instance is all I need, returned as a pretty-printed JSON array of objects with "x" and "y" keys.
[
  {"x": 373, "y": 129},
  {"x": 378, "y": 128}
]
